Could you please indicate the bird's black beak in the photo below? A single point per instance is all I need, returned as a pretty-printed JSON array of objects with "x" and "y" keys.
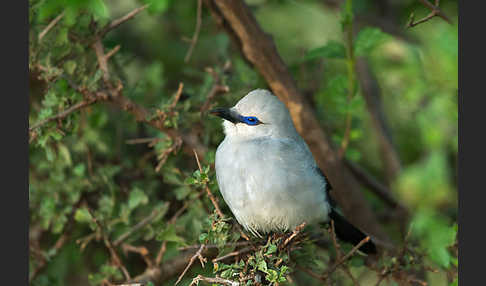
[{"x": 226, "y": 114}]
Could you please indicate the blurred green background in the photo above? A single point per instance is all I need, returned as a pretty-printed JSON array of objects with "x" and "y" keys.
[{"x": 86, "y": 160}]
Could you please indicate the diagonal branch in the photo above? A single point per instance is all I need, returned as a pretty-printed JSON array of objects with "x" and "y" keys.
[
  {"x": 80, "y": 105},
  {"x": 117, "y": 22},
  {"x": 191, "y": 261},
  {"x": 51, "y": 25}
]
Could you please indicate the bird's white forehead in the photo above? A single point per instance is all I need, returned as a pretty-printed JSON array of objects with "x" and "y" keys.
[{"x": 257, "y": 102}]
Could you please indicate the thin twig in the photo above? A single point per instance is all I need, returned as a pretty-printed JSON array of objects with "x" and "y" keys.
[
  {"x": 60, "y": 242},
  {"x": 348, "y": 255},
  {"x": 64, "y": 113},
  {"x": 217, "y": 88},
  {"x": 112, "y": 52},
  {"x": 165, "y": 155},
  {"x": 191, "y": 261},
  {"x": 208, "y": 191},
  {"x": 350, "y": 275},
  {"x": 196, "y": 246},
  {"x": 142, "y": 250},
  {"x": 376, "y": 187},
  {"x": 102, "y": 60},
  {"x": 295, "y": 232},
  {"x": 172, "y": 220},
  {"x": 114, "y": 255},
  {"x": 434, "y": 11},
  {"x": 51, "y": 24},
  {"x": 196, "y": 32},
  {"x": 216, "y": 280},
  {"x": 138, "y": 226},
  {"x": 234, "y": 253},
  {"x": 115, "y": 23},
  {"x": 142, "y": 140}
]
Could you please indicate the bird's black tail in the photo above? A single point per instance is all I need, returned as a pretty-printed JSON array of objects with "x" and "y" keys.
[{"x": 347, "y": 232}]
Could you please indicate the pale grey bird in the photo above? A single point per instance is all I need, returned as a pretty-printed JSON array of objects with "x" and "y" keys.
[{"x": 267, "y": 174}]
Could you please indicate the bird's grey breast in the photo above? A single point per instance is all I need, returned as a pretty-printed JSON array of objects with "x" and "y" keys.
[{"x": 270, "y": 183}]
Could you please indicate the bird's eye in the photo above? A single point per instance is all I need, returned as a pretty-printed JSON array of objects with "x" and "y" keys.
[{"x": 251, "y": 120}]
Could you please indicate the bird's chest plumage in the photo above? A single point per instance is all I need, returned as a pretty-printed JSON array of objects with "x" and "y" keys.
[{"x": 270, "y": 184}]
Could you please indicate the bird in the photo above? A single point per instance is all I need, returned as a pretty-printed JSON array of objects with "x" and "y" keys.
[{"x": 267, "y": 174}]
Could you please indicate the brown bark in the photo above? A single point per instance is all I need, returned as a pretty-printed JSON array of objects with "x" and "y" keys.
[{"x": 259, "y": 49}]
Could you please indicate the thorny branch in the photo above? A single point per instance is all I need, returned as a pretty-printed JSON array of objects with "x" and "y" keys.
[
  {"x": 137, "y": 227},
  {"x": 59, "y": 242},
  {"x": 197, "y": 255},
  {"x": 208, "y": 191},
  {"x": 114, "y": 255},
  {"x": 172, "y": 220},
  {"x": 217, "y": 88}
]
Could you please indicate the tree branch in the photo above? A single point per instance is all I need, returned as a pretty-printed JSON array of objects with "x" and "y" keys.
[
  {"x": 117, "y": 22},
  {"x": 434, "y": 11},
  {"x": 373, "y": 185},
  {"x": 51, "y": 24}
]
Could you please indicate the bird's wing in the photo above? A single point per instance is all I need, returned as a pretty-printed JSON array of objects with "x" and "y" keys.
[{"x": 331, "y": 201}]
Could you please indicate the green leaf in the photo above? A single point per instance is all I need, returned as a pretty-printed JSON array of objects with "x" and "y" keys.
[
  {"x": 158, "y": 6},
  {"x": 332, "y": 50},
  {"x": 272, "y": 275},
  {"x": 79, "y": 170},
  {"x": 70, "y": 66},
  {"x": 82, "y": 215},
  {"x": 368, "y": 39},
  {"x": 99, "y": 9},
  {"x": 169, "y": 234},
  {"x": 50, "y": 154},
  {"x": 272, "y": 248},
  {"x": 203, "y": 237},
  {"x": 65, "y": 154},
  {"x": 137, "y": 197},
  {"x": 262, "y": 266}
]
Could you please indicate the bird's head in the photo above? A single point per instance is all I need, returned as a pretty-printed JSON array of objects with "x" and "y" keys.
[{"x": 259, "y": 113}]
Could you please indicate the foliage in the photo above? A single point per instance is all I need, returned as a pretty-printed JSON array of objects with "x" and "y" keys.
[{"x": 94, "y": 176}]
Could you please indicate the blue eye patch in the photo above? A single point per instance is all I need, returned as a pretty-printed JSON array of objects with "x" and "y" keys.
[{"x": 250, "y": 120}]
